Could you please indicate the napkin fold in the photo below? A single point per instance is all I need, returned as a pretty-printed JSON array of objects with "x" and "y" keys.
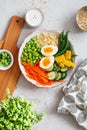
[{"x": 74, "y": 100}]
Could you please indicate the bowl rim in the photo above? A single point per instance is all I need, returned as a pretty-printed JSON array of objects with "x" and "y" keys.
[
  {"x": 37, "y": 32},
  {"x": 12, "y": 60}
]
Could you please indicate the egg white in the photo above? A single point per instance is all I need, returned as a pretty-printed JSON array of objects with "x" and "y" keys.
[
  {"x": 55, "y": 50},
  {"x": 51, "y": 58}
]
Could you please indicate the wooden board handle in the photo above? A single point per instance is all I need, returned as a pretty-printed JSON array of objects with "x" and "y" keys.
[
  {"x": 13, "y": 32},
  {"x": 1, "y": 43}
]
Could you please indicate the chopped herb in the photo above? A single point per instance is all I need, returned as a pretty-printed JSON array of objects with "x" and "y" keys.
[{"x": 16, "y": 113}]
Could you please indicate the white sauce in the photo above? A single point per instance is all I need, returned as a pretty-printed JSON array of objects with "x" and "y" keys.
[{"x": 34, "y": 17}]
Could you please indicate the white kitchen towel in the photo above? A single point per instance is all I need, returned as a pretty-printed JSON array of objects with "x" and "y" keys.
[{"x": 74, "y": 100}]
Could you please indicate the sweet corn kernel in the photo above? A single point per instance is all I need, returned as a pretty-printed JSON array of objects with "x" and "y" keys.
[
  {"x": 60, "y": 59},
  {"x": 69, "y": 63},
  {"x": 68, "y": 55},
  {"x": 61, "y": 65}
]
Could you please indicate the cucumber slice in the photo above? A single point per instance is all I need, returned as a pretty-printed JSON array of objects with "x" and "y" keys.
[
  {"x": 50, "y": 69},
  {"x": 58, "y": 76},
  {"x": 64, "y": 74},
  {"x": 56, "y": 67},
  {"x": 64, "y": 69},
  {"x": 52, "y": 75}
]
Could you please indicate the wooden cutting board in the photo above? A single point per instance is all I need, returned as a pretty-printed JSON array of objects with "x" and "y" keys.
[{"x": 8, "y": 78}]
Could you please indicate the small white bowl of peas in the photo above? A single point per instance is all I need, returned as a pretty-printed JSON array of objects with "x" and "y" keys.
[{"x": 6, "y": 59}]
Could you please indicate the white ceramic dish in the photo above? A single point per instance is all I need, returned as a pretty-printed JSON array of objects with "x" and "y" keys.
[
  {"x": 34, "y": 17},
  {"x": 12, "y": 60},
  {"x": 22, "y": 67}
]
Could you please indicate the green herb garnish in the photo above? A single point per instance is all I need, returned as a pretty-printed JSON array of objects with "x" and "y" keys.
[
  {"x": 63, "y": 43},
  {"x": 16, "y": 113}
]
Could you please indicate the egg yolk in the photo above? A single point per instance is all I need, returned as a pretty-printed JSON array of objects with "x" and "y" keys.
[
  {"x": 46, "y": 61},
  {"x": 48, "y": 50}
]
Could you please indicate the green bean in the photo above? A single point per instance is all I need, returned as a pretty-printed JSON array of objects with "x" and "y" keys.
[{"x": 63, "y": 43}]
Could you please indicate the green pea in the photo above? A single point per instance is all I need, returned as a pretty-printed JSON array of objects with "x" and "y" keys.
[
  {"x": 1, "y": 63},
  {"x": 5, "y": 59},
  {"x": 23, "y": 59},
  {"x": 32, "y": 50}
]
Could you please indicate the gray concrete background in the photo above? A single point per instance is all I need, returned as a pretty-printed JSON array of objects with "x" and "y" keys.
[{"x": 59, "y": 15}]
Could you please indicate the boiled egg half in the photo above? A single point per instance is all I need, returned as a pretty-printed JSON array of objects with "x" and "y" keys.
[
  {"x": 46, "y": 62},
  {"x": 49, "y": 50}
]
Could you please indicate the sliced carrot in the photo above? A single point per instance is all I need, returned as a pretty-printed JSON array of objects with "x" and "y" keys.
[
  {"x": 37, "y": 69},
  {"x": 37, "y": 73}
]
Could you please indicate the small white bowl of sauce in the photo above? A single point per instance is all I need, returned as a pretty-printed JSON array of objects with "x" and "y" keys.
[{"x": 34, "y": 17}]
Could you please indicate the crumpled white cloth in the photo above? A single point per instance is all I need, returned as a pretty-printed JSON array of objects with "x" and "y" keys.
[{"x": 74, "y": 100}]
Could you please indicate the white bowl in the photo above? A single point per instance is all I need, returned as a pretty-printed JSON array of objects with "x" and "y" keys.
[
  {"x": 12, "y": 60},
  {"x": 22, "y": 67},
  {"x": 81, "y": 18},
  {"x": 34, "y": 17}
]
